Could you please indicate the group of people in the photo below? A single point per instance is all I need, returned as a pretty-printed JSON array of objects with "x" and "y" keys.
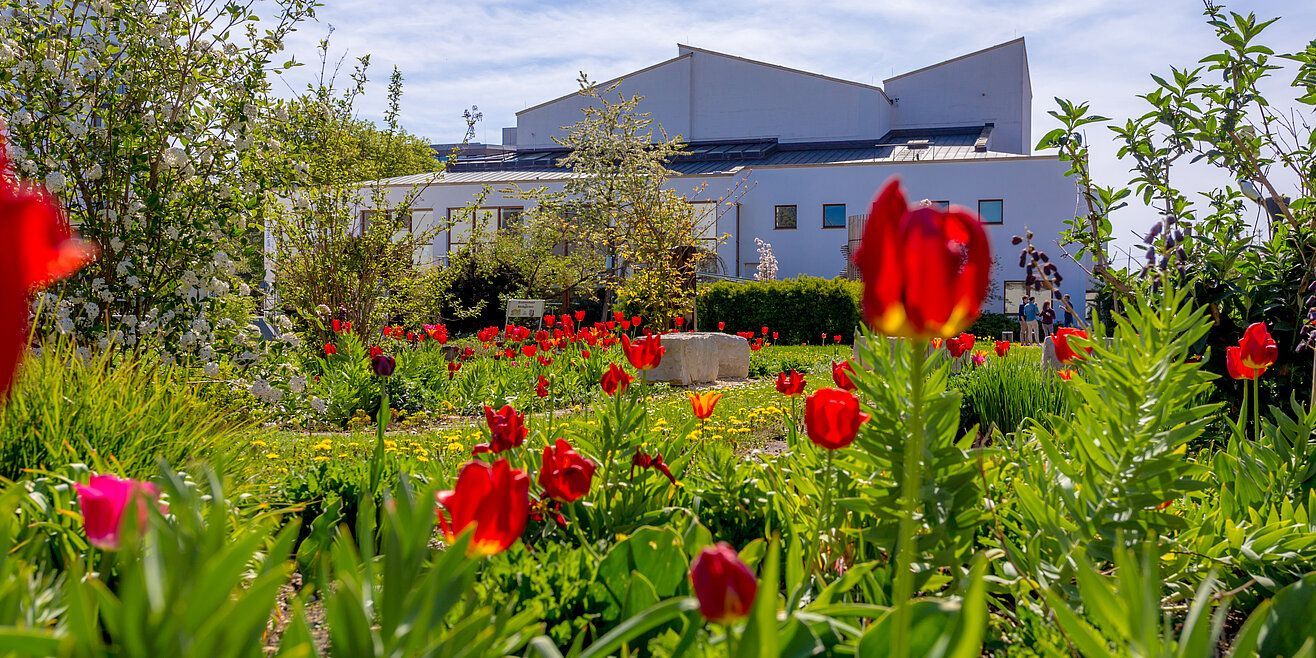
[{"x": 1035, "y": 324}]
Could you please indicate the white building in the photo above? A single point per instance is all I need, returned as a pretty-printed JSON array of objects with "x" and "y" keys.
[{"x": 813, "y": 149}]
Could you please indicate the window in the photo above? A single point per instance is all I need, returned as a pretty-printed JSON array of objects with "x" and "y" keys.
[
  {"x": 941, "y": 205},
  {"x": 834, "y": 215},
  {"x": 783, "y": 217},
  {"x": 510, "y": 217},
  {"x": 1015, "y": 291},
  {"x": 705, "y": 220},
  {"x": 991, "y": 211},
  {"x": 405, "y": 220}
]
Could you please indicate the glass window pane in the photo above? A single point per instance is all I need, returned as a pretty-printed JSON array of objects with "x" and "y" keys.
[
  {"x": 784, "y": 217},
  {"x": 834, "y": 215},
  {"x": 991, "y": 211}
]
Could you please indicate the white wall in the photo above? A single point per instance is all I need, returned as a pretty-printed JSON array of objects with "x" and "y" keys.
[
  {"x": 1035, "y": 191},
  {"x": 991, "y": 85}
]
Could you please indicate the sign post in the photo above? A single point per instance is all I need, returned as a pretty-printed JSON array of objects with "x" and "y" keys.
[{"x": 525, "y": 308}]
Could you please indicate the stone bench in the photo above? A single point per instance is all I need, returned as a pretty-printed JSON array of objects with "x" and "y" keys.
[{"x": 700, "y": 357}]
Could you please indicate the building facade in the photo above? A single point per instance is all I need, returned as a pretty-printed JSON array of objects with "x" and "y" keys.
[{"x": 807, "y": 152}]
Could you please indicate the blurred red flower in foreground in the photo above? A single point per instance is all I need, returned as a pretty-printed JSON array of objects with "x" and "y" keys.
[
  {"x": 723, "y": 584},
  {"x": 103, "y": 501},
  {"x": 495, "y": 499},
  {"x": 564, "y": 474},
  {"x": 40, "y": 250},
  {"x": 924, "y": 270}
]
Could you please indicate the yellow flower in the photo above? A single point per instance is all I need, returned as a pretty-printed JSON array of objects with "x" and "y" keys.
[
  {"x": 272, "y": 455},
  {"x": 259, "y": 444},
  {"x": 321, "y": 458}
]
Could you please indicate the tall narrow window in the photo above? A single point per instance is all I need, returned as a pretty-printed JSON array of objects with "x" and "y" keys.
[
  {"x": 991, "y": 211},
  {"x": 834, "y": 215},
  {"x": 783, "y": 217}
]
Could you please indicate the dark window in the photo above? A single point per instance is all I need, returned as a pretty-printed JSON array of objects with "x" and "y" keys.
[
  {"x": 510, "y": 217},
  {"x": 941, "y": 205},
  {"x": 783, "y": 217},
  {"x": 834, "y": 215},
  {"x": 991, "y": 211}
]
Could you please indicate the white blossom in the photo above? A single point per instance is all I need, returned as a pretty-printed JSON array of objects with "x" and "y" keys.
[
  {"x": 767, "y": 268},
  {"x": 55, "y": 181},
  {"x": 320, "y": 406}
]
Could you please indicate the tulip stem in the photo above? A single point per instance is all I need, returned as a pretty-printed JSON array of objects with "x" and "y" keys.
[
  {"x": 911, "y": 485},
  {"x": 377, "y": 459},
  {"x": 1256, "y": 408},
  {"x": 824, "y": 519}
]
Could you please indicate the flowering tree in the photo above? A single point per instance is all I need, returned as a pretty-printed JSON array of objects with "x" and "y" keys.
[
  {"x": 136, "y": 114},
  {"x": 767, "y": 268}
]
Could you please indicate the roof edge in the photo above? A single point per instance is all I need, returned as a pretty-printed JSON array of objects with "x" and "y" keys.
[
  {"x": 605, "y": 83},
  {"x": 1011, "y": 42},
  {"x": 784, "y": 68}
]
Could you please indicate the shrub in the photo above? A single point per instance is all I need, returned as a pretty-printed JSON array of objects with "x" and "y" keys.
[
  {"x": 71, "y": 407},
  {"x": 992, "y": 325},
  {"x": 800, "y": 309},
  {"x": 1004, "y": 392}
]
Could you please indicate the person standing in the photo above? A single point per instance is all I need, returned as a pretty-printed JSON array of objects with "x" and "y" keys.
[
  {"x": 1048, "y": 319},
  {"x": 1030, "y": 322},
  {"x": 1069, "y": 312},
  {"x": 1023, "y": 328}
]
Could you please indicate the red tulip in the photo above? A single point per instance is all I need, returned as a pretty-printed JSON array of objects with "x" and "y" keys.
[
  {"x": 832, "y": 418},
  {"x": 453, "y": 367},
  {"x": 39, "y": 249},
  {"x": 679, "y": 321},
  {"x": 1002, "y": 348},
  {"x": 375, "y": 351},
  {"x": 1064, "y": 351},
  {"x": 721, "y": 326},
  {"x": 103, "y": 501},
  {"x": 330, "y": 349},
  {"x": 495, "y": 499},
  {"x": 644, "y": 353},
  {"x": 836, "y": 339},
  {"x": 580, "y": 316},
  {"x": 960, "y": 344},
  {"x": 790, "y": 384},
  {"x": 756, "y": 345},
  {"x": 1258, "y": 347},
  {"x": 763, "y": 330},
  {"x": 841, "y": 375},
  {"x": 936, "y": 343},
  {"x": 635, "y": 321},
  {"x": 529, "y": 350},
  {"x": 564, "y": 474},
  {"x": 703, "y": 403},
  {"x": 383, "y": 365},
  {"x": 615, "y": 379},
  {"x": 775, "y": 335},
  {"x": 550, "y": 320},
  {"x": 541, "y": 387},
  {"x": 925, "y": 270},
  {"x": 643, "y": 459},
  {"x": 1237, "y": 369},
  {"x": 723, "y": 584},
  {"x": 507, "y": 429}
]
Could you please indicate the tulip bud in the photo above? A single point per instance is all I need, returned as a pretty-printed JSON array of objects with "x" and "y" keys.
[
  {"x": 723, "y": 584},
  {"x": 383, "y": 365}
]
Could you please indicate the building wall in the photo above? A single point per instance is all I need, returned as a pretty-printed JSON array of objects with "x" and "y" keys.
[
  {"x": 1034, "y": 190},
  {"x": 990, "y": 86}
]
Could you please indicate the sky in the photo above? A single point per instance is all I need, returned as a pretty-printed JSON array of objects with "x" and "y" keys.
[{"x": 506, "y": 55}]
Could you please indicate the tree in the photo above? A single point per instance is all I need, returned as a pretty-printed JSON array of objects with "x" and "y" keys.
[
  {"x": 137, "y": 115},
  {"x": 630, "y": 232},
  {"x": 342, "y": 239}
]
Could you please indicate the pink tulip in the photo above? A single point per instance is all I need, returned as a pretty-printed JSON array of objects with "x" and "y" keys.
[{"x": 103, "y": 501}]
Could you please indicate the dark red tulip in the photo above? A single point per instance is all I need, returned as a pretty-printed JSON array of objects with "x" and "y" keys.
[
  {"x": 841, "y": 375},
  {"x": 723, "y": 584},
  {"x": 925, "y": 270},
  {"x": 790, "y": 384},
  {"x": 1259, "y": 350},
  {"x": 541, "y": 387},
  {"x": 960, "y": 344},
  {"x": 383, "y": 365},
  {"x": 564, "y": 474},
  {"x": 507, "y": 429},
  {"x": 643, "y": 353},
  {"x": 1002, "y": 348},
  {"x": 832, "y": 418},
  {"x": 1065, "y": 352},
  {"x": 643, "y": 459},
  {"x": 495, "y": 499},
  {"x": 615, "y": 379}
]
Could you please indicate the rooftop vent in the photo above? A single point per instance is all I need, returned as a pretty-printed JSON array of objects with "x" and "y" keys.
[{"x": 918, "y": 144}]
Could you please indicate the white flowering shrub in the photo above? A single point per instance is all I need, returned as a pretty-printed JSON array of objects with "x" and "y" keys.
[
  {"x": 767, "y": 267},
  {"x": 139, "y": 115}
]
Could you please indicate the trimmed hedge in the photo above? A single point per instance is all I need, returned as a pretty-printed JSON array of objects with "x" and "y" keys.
[{"x": 800, "y": 309}]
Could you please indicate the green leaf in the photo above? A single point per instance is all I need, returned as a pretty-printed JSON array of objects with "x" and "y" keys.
[{"x": 760, "y": 638}]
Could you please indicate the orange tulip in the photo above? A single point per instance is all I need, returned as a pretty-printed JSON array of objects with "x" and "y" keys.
[{"x": 703, "y": 403}]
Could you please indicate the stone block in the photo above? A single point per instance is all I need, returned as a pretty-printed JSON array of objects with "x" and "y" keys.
[{"x": 701, "y": 357}]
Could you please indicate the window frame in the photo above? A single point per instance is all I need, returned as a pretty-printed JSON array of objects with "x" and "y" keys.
[
  {"x": 844, "y": 218},
  {"x": 1002, "y": 216},
  {"x": 940, "y": 204},
  {"x": 776, "y": 208}
]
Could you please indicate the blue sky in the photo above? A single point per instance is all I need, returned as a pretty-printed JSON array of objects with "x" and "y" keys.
[{"x": 505, "y": 55}]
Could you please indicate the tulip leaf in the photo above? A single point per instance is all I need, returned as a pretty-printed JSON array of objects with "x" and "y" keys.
[
  {"x": 1282, "y": 625},
  {"x": 638, "y": 625},
  {"x": 760, "y": 638}
]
